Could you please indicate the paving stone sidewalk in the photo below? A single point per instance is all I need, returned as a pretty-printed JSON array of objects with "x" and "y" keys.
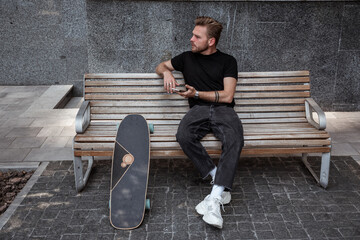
[{"x": 273, "y": 198}]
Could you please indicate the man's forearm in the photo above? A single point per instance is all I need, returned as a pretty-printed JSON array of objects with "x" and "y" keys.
[
  {"x": 223, "y": 97},
  {"x": 161, "y": 69}
]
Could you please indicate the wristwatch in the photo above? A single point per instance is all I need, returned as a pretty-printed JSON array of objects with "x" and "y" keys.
[{"x": 196, "y": 95}]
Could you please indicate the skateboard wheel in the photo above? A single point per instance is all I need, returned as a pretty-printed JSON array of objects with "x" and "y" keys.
[
  {"x": 151, "y": 127},
  {"x": 147, "y": 204}
]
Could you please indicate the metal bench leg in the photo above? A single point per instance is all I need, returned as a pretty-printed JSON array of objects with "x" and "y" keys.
[
  {"x": 324, "y": 171},
  {"x": 325, "y": 168},
  {"x": 80, "y": 179}
]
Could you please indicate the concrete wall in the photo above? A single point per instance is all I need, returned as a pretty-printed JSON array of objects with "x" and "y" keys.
[{"x": 51, "y": 42}]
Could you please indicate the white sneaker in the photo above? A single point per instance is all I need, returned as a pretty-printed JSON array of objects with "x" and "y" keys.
[
  {"x": 201, "y": 208},
  {"x": 213, "y": 215}
]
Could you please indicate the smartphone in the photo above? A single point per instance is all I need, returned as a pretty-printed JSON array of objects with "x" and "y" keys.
[{"x": 178, "y": 90}]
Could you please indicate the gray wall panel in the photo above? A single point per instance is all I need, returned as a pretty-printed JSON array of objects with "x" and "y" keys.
[{"x": 56, "y": 42}]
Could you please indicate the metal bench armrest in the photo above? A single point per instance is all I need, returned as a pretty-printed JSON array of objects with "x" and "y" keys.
[
  {"x": 82, "y": 119},
  {"x": 310, "y": 107}
]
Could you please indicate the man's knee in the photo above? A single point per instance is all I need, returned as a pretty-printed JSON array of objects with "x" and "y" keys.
[
  {"x": 185, "y": 137},
  {"x": 234, "y": 140},
  {"x": 182, "y": 137}
]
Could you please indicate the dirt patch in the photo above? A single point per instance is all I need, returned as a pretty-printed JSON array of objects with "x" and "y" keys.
[{"x": 11, "y": 183}]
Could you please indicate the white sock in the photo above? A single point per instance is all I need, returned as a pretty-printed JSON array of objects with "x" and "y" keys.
[
  {"x": 217, "y": 191},
  {"x": 213, "y": 173}
]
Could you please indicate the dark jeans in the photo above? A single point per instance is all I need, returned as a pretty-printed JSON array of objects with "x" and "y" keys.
[{"x": 226, "y": 126}]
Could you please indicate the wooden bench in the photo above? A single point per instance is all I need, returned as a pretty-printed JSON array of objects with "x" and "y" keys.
[{"x": 275, "y": 108}]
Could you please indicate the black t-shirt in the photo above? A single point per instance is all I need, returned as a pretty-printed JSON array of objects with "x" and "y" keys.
[{"x": 206, "y": 72}]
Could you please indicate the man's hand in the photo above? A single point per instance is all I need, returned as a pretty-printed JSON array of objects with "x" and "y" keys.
[
  {"x": 169, "y": 82},
  {"x": 190, "y": 93},
  {"x": 164, "y": 69}
]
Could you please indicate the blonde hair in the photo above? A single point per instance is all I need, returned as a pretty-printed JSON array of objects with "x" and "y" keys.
[{"x": 214, "y": 28}]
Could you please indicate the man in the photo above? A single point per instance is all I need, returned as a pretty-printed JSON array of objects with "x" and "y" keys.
[{"x": 210, "y": 78}]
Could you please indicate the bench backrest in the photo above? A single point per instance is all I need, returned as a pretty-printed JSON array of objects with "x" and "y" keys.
[{"x": 261, "y": 97}]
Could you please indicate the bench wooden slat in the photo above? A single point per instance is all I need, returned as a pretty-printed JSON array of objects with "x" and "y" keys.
[
  {"x": 212, "y": 152},
  {"x": 160, "y": 89},
  {"x": 126, "y": 75},
  {"x": 160, "y": 96},
  {"x": 266, "y": 127},
  {"x": 106, "y": 133},
  {"x": 273, "y": 109},
  {"x": 283, "y": 101},
  {"x": 277, "y": 151},
  {"x": 273, "y": 88},
  {"x": 164, "y": 96},
  {"x": 245, "y": 151},
  {"x": 160, "y": 82},
  {"x": 128, "y": 82},
  {"x": 211, "y": 137},
  {"x": 137, "y": 110},
  {"x": 172, "y": 131},
  {"x": 179, "y": 75},
  {"x": 305, "y": 125},
  {"x": 300, "y": 127},
  {"x": 273, "y": 80},
  {"x": 135, "y": 103},
  {"x": 273, "y": 74},
  {"x": 213, "y": 144},
  {"x": 124, "y": 89},
  {"x": 183, "y": 102},
  {"x": 178, "y": 116},
  {"x": 272, "y": 95},
  {"x": 244, "y": 121},
  {"x": 116, "y": 110},
  {"x": 247, "y": 132}
]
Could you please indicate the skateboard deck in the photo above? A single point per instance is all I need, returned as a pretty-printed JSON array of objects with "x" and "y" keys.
[{"x": 129, "y": 173}]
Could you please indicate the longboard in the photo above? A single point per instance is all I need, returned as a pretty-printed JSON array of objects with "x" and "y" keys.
[{"x": 129, "y": 173}]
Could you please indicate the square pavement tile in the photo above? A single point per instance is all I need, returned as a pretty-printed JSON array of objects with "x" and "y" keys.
[
  {"x": 356, "y": 145},
  {"x": 55, "y": 114},
  {"x": 24, "y": 132},
  {"x": 4, "y": 131},
  {"x": 50, "y": 154},
  {"x": 345, "y": 137},
  {"x": 50, "y": 131},
  {"x": 56, "y": 142},
  {"x": 343, "y": 149},
  {"x": 68, "y": 131},
  {"x": 19, "y": 122},
  {"x": 27, "y": 142},
  {"x": 52, "y": 122},
  {"x": 5, "y": 142},
  {"x": 13, "y": 155}
]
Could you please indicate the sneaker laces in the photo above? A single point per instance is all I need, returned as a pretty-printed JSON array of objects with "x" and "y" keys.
[
  {"x": 222, "y": 206},
  {"x": 221, "y": 203}
]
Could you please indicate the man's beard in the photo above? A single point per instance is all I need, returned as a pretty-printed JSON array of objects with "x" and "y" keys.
[{"x": 200, "y": 50}]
